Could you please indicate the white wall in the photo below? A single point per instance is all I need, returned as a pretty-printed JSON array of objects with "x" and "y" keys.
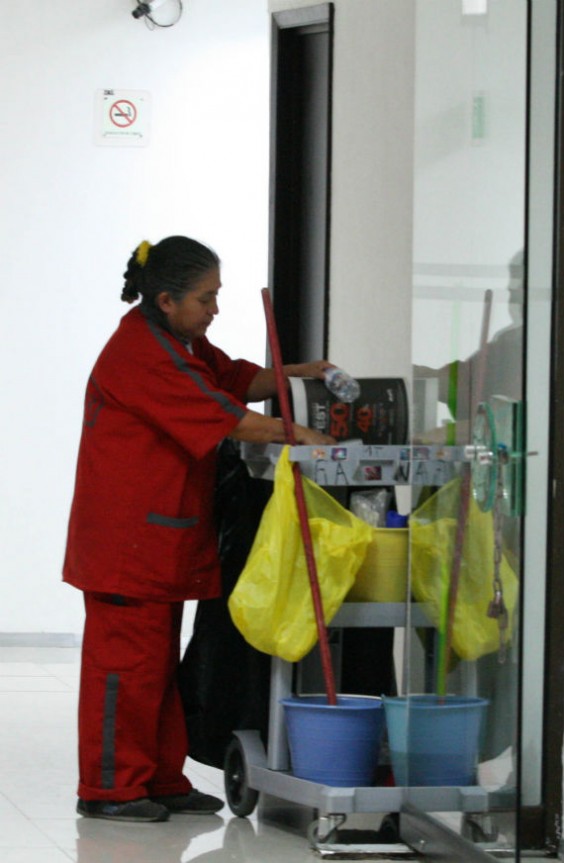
[
  {"x": 372, "y": 204},
  {"x": 73, "y": 211}
]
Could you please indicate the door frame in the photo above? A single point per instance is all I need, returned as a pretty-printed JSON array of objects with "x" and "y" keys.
[
  {"x": 285, "y": 182},
  {"x": 553, "y": 730}
]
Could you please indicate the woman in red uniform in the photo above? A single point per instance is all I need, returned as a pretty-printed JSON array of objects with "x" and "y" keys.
[{"x": 141, "y": 540}]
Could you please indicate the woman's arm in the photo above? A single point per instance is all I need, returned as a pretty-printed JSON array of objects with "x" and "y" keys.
[
  {"x": 257, "y": 428},
  {"x": 263, "y": 385}
]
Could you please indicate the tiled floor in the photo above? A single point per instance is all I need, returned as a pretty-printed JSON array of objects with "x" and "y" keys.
[{"x": 38, "y": 823}]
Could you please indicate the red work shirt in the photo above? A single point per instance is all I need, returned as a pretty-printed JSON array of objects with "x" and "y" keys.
[{"x": 141, "y": 521}]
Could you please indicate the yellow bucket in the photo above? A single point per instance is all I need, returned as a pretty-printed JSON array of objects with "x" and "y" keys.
[{"x": 383, "y": 575}]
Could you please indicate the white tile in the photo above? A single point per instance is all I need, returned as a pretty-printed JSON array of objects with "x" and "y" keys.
[
  {"x": 28, "y": 855},
  {"x": 64, "y": 671},
  {"x": 55, "y": 797},
  {"x": 17, "y": 831},
  {"x": 39, "y": 654},
  {"x": 28, "y": 683},
  {"x": 45, "y": 707},
  {"x": 22, "y": 669},
  {"x": 60, "y": 832}
]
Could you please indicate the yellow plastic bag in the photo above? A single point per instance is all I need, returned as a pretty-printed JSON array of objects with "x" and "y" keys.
[
  {"x": 433, "y": 532},
  {"x": 271, "y": 604}
]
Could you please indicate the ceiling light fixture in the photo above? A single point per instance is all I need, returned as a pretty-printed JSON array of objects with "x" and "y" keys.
[{"x": 145, "y": 9}]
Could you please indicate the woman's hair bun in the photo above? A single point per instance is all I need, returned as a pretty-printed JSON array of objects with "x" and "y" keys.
[
  {"x": 129, "y": 293},
  {"x": 134, "y": 274}
]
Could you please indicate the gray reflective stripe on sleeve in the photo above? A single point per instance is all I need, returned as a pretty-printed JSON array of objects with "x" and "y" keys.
[
  {"x": 167, "y": 521},
  {"x": 109, "y": 731},
  {"x": 183, "y": 366}
]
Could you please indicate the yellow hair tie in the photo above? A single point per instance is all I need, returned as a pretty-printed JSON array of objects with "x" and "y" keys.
[{"x": 142, "y": 252}]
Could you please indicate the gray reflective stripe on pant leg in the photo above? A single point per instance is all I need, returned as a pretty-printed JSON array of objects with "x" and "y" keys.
[{"x": 109, "y": 731}]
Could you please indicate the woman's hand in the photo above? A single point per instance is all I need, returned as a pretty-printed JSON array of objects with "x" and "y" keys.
[
  {"x": 311, "y": 437},
  {"x": 315, "y": 369},
  {"x": 263, "y": 385}
]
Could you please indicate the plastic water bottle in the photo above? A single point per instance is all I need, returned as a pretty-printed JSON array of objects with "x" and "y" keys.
[{"x": 342, "y": 385}]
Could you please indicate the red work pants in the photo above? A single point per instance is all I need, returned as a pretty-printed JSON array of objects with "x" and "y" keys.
[{"x": 132, "y": 732}]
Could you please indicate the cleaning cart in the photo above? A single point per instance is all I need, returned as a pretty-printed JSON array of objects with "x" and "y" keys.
[{"x": 251, "y": 766}]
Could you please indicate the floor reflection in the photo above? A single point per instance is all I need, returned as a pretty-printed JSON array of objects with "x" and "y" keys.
[
  {"x": 169, "y": 842},
  {"x": 246, "y": 842},
  {"x": 207, "y": 838}
]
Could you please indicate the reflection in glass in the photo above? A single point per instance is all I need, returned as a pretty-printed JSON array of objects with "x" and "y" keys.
[{"x": 467, "y": 398}]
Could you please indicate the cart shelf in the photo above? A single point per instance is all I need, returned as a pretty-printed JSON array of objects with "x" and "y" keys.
[
  {"x": 353, "y": 463},
  {"x": 329, "y": 800}
]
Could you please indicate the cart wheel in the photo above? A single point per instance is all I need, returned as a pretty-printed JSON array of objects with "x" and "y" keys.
[
  {"x": 480, "y": 828},
  {"x": 324, "y": 830},
  {"x": 240, "y": 798}
]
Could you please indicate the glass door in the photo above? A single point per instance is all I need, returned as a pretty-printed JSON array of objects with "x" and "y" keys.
[{"x": 473, "y": 234}]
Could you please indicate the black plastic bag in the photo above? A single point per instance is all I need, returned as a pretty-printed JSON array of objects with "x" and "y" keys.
[{"x": 224, "y": 682}]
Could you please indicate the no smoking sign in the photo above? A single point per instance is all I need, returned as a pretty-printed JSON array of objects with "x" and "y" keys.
[
  {"x": 122, "y": 117},
  {"x": 123, "y": 113}
]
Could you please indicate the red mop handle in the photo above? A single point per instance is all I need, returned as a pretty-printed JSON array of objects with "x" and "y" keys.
[
  {"x": 281, "y": 386},
  {"x": 300, "y": 499}
]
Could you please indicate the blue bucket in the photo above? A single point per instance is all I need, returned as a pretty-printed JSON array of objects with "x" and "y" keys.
[
  {"x": 334, "y": 744},
  {"x": 434, "y": 740}
]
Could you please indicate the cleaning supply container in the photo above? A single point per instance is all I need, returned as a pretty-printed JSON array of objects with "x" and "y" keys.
[
  {"x": 434, "y": 739},
  {"x": 334, "y": 744},
  {"x": 382, "y": 576}
]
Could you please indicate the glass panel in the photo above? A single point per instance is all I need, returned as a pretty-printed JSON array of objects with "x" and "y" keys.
[
  {"x": 469, "y": 230},
  {"x": 540, "y": 232}
]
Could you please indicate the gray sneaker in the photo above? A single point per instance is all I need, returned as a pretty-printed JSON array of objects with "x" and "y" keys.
[
  {"x": 133, "y": 810},
  {"x": 193, "y": 803}
]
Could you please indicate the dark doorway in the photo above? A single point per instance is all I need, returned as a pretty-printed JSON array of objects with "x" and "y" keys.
[{"x": 300, "y": 178}]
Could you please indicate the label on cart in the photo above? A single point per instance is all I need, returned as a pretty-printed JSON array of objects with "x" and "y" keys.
[{"x": 378, "y": 416}]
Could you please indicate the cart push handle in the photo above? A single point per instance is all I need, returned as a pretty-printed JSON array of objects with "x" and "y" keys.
[{"x": 282, "y": 390}]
